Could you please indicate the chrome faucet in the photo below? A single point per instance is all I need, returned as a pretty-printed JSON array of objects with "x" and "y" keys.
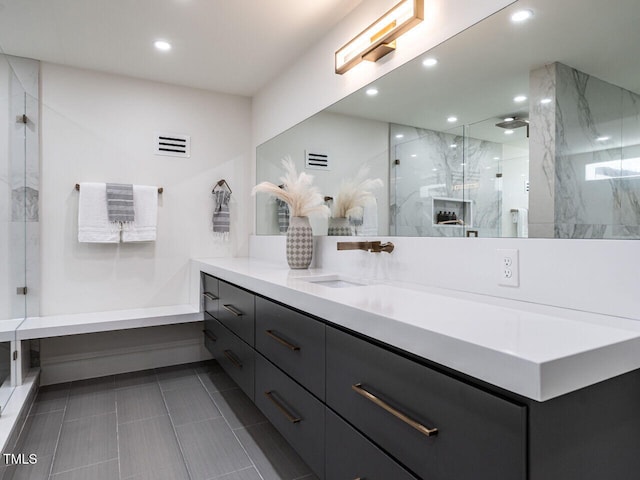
[{"x": 374, "y": 247}]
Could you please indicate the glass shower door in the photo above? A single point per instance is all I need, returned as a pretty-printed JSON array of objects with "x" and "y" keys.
[
  {"x": 13, "y": 214},
  {"x": 427, "y": 175}
]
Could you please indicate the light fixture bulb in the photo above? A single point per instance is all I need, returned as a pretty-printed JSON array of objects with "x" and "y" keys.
[
  {"x": 519, "y": 99},
  {"x": 430, "y": 62},
  {"x": 521, "y": 16},
  {"x": 509, "y": 119},
  {"x": 452, "y": 119},
  {"x": 162, "y": 45},
  {"x": 372, "y": 91}
]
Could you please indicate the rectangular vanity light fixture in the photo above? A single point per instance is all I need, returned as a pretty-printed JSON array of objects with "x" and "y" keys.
[{"x": 379, "y": 38}]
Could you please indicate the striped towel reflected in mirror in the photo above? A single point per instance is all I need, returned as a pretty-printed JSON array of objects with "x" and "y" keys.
[
  {"x": 221, "y": 220},
  {"x": 120, "y": 203},
  {"x": 283, "y": 215}
]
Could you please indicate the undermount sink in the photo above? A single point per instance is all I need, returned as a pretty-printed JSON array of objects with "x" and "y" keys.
[{"x": 334, "y": 281}]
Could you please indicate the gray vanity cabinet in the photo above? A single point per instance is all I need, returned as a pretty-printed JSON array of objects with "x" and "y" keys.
[
  {"x": 438, "y": 426},
  {"x": 297, "y": 415},
  {"x": 349, "y": 455},
  {"x": 236, "y": 311},
  {"x": 210, "y": 294},
  {"x": 235, "y": 356},
  {"x": 294, "y": 342},
  {"x": 354, "y": 409}
]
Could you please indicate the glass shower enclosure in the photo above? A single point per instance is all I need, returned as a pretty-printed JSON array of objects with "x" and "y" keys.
[{"x": 18, "y": 206}]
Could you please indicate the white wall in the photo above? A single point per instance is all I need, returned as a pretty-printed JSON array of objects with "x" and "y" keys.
[{"x": 99, "y": 127}]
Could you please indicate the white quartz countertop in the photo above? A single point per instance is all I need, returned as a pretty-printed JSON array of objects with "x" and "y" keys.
[{"x": 533, "y": 350}]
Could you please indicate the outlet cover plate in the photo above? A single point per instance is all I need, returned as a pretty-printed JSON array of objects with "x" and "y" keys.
[{"x": 508, "y": 267}]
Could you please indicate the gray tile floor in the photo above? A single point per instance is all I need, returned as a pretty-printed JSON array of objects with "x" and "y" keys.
[{"x": 187, "y": 422}]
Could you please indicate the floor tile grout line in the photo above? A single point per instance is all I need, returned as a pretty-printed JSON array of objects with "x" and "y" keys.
[
  {"x": 84, "y": 466},
  {"x": 232, "y": 431},
  {"x": 117, "y": 435},
  {"x": 173, "y": 427},
  {"x": 55, "y": 449},
  {"x": 237, "y": 471}
]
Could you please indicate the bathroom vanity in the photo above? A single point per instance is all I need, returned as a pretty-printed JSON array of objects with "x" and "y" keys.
[{"x": 363, "y": 388}]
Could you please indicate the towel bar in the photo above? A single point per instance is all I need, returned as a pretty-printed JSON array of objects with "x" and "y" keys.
[{"x": 160, "y": 189}]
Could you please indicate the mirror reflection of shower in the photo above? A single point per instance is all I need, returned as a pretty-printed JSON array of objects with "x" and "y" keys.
[{"x": 452, "y": 183}]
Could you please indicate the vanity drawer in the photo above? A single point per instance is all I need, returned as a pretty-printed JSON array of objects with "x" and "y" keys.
[
  {"x": 294, "y": 342},
  {"x": 236, "y": 310},
  {"x": 210, "y": 294},
  {"x": 297, "y": 415},
  {"x": 394, "y": 401},
  {"x": 350, "y": 455},
  {"x": 236, "y": 357}
]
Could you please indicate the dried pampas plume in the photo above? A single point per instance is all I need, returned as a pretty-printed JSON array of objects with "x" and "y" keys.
[
  {"x": 354, "y": 194},
  {"x": 298, "y": 192}
]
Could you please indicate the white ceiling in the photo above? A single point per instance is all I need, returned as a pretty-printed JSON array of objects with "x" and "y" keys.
[{"x": 231, "y": 46}]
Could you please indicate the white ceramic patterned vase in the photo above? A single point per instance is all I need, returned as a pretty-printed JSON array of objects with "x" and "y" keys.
[
  {"x": 339, "y": 226},
  {"x": 299, "y": 242}
]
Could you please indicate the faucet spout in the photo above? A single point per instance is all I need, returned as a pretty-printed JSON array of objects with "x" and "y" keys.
[{"x": 374, "y": 247}]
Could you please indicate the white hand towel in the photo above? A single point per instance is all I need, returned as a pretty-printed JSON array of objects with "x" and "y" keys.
[
  {"x": 145, "y": 208},
  {"x": 93, "y": 221},
  {"x": 522, "y": 223}
]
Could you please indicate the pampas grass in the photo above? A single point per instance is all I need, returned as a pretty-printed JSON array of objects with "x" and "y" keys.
[
  {"x": 354, "y": 194},
  {"x": 299, "y": 193}
]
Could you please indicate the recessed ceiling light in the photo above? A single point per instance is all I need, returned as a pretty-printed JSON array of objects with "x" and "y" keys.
[
  {"x": 452, "y": 119},
  {"x": 521, "y": 16},
  {"x": 399, "y": 135},
  {"x": 603, "y": 139},
  {"x": 413, "y": 155},
  {"x": 434, "y": 169},
  {"x": 508, "y": 132},
  {"x": 496, "y": 158},
  {"x": 162, "y": 45},
  {"x": 519, "y": 99},
  {"x": 545, "y": 101},
  {"x": 453, "y": 145},
  {"x": 429, "y": 62},
  {"x": 372, "y": 91}
]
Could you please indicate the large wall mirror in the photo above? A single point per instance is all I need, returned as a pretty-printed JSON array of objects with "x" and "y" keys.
[{"x": 525, "y": 128}]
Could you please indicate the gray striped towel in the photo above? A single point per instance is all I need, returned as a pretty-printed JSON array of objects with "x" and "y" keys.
[
  {"x": 221, "y": 212},
  {"x": 120, "y": 202},
  {"x": 283, "y": 215}
]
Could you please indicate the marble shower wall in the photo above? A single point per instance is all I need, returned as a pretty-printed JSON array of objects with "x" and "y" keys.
[
  {"x": 590, "y": 121},
  {"x": 443, "y": 165},
  {"x": 19, "y": 186}
]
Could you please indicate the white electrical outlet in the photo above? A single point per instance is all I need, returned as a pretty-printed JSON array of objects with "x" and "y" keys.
[{"x": 508, "y": 267}]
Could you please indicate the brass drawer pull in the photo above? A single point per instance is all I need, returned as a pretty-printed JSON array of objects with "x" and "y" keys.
[
  {"x": 282, "y": 341},
  {"x": 359, "y": 389},
  {"x": 232, "y": 358},
  {"x": 233, "y": 310},
  {"x": 209, "y": 295},
  {"x": 210, "y": 335},
  {"x": 279, "y": 406}
]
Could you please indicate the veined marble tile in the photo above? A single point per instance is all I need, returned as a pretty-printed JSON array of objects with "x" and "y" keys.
[{"x": 431, "y": 166}]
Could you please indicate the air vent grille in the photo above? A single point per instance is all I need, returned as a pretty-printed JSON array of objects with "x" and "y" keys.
[
  {"x": 172, "y": 145},
  {"x": 317, "y": 160}
]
